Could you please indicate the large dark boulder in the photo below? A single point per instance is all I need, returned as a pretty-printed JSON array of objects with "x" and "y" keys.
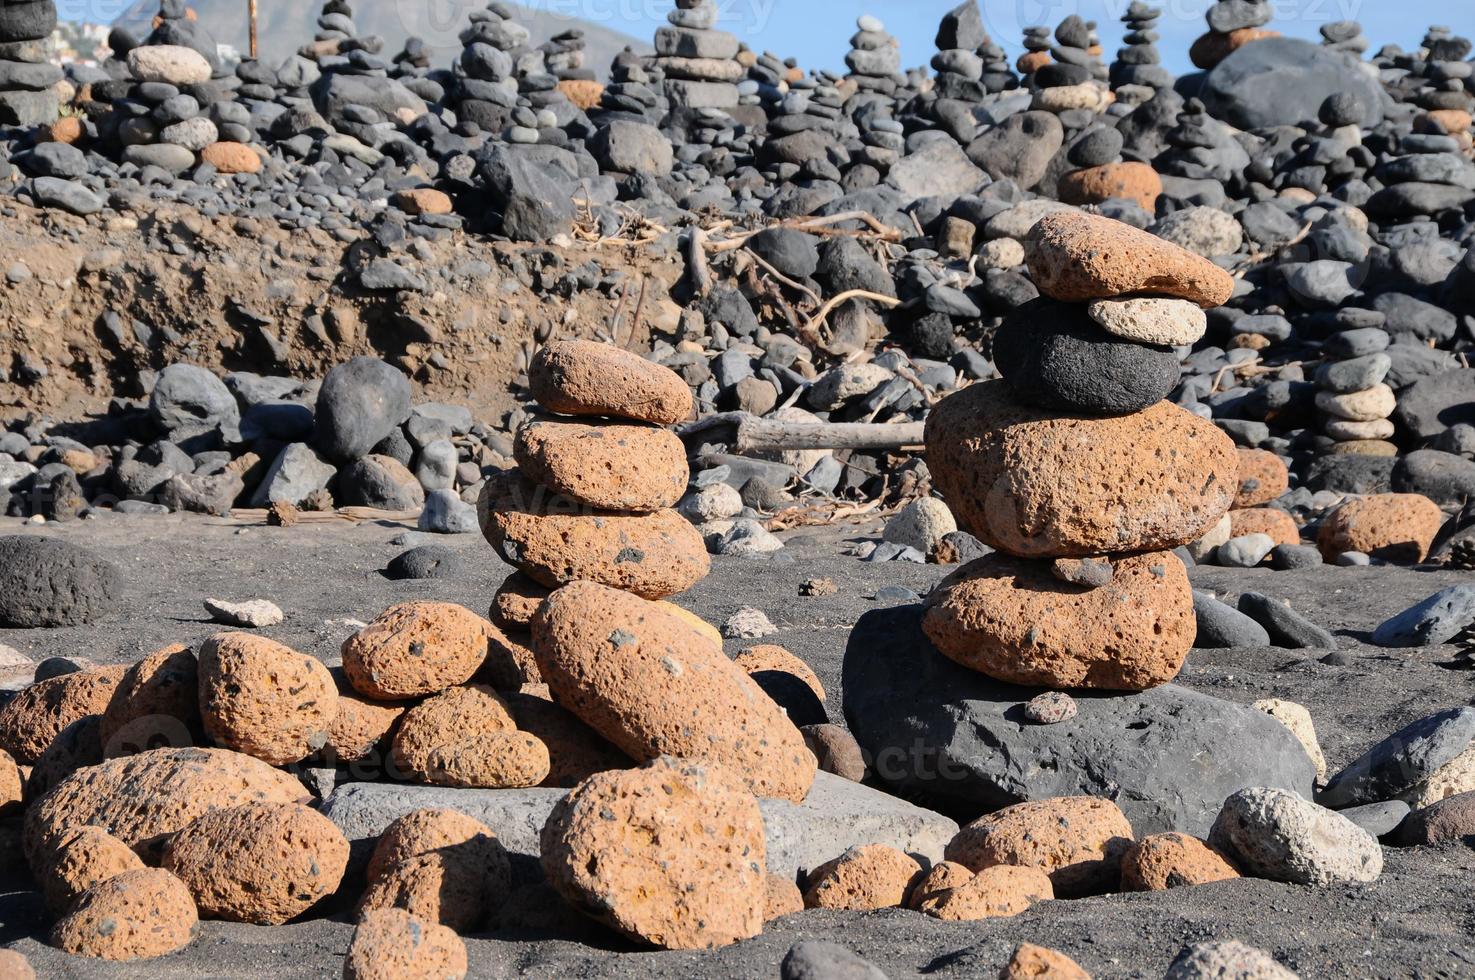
[
  {"x": 47, "y": 582},
  {"x": 360, "y": 402},
  {"x": 959, "y": 740},
  {"x": 1281, "y": 81}
]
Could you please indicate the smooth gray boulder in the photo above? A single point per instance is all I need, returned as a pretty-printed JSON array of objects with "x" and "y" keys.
[
  {"x": 360, "y": 402},
  {"x": 1281, "y": 81},
  {"x": 958, "y": 740},
  {"x": 836, "y": 815},
  {"x": 1402, "y": 760},
  {"x": 1437, "y": 619}
]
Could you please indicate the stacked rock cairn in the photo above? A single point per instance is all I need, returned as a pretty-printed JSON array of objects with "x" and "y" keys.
[
  {"x": 165, "y": 122},
  {"x": 1078, "y": 473},
  {"x": 28, "y": 95},
  {"x": 1232, "y": 25},
  {"x": 1138, "y": 72},
  {"x": 699, "y": 61},
  {"x": 1344, "y": 35},
  {"x": 1355, "y": 403},
  {"x": 486, "y": 78},
  {"x": 593, "y": 496}
]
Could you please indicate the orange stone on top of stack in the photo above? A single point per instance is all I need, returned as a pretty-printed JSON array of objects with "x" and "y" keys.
[
  {"x": 592, "y": 499},
  {"x": 1032, "y": 468}
]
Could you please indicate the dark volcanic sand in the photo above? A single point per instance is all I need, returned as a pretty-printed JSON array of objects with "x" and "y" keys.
[{"x": 1417, "y": 920}]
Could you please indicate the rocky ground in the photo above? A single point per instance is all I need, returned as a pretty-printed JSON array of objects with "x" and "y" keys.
[{"x": 1413, "y": 921}]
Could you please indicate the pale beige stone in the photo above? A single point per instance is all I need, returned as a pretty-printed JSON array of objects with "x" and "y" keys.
[{"x": 1151, "y": 320}]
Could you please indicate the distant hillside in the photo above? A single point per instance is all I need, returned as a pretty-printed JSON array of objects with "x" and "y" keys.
[{"x": 285, "y": 25}]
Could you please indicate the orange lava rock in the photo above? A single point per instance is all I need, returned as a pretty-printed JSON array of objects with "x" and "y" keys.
[
  {"x": 136, "y": 915},
  {"x": 1392, "y": 526},
  {"x": 671, "y": 854},
  {"x": 437, "y": 886},
  {"x": 449, "y": 717},
  {"x": 616, "y": 466},
  {"x": 554, "y": 540},
  {"x": 999, "y": 891},
  {"x": 358, "y": 728},
  {"x": 1031, "y": 962},
  {"x": 12, "y": 790},
  {"x": 584, "y": 93},
  {"x": 79, "y": 745},
  {"x": 1262, "y": 477},
  {"x": 423, "y": 831},
  {"x": 67, "y": 129},
  {"x": 770, "y": 656},
  {"x": 874, "y": 876},
  {"x": 143, "y": 798},
  {"x": 15, "y": 966},
  {"x": 1172, "y": 860},
  {"x": 1212, "y": 48},
  {"x": 417, "y": 648},
  {"x": 1077, "y": 257},
  {"x": 232, "y": 158},
  {"x": 265, "y": 699},
  {"x": 84, "y": 857},
  {"x": 392, "y": 944},
  {"x": 516, "y": 601},
  {"x": 263, "y": 863},
  {"x": 1032, "y": 61},
  {"x": 782, "y": 897},
  {"x": 155, "y": 705},
  {"x": 1013, "y": 620},
  {"x": 1034, "y": 484},
  {"x": 942, "y": 876},
  {"x": 423, "y": 200},
  {"x": 501, "y": 760},
  {"x": 582, "y": 377},
  {"x": 1077, "y": 840},
  {"x": 1130, "y": 181},
  {"x": 1444, "y": 120},
  {"x": 1280, "y": 526},
  {"x": 653, "y": 686},
  {"x": 575, "y": 751},
  {"x": 34, "y": 717},
  {"x": 510, "y": 663}
]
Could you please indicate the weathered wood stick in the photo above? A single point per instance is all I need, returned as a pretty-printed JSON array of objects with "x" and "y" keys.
[{"x": 758, "y": 435}]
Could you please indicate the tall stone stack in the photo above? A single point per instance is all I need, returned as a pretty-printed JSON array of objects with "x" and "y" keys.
[
  {"x": 1036, "y": 51},
  {"x": 874, "y": 59},
  {"x": 1232, "y": 25},
  {"x": 699, "y": 62},
  {"x": 1076, "y": 43},
  {"x": 355, "y": 91},
  {"x": 598, "y": 477},
  {"x": 629, "y": 94},
  {"x": 27, "y": 80},
  {"x": 1355, "y": 402},
  {"x": 1078, "y": 473},
  {"x": 1138, "y": 67},
  {"x": 486, "y": 75},
  {"x": 1345, "y": 35},
  {"x": 162, "y": 124},
  {"x": 959, "y": 85}
]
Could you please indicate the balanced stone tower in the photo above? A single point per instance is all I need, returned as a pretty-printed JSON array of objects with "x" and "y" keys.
[
  {"x": 27, "y": 93},
  {"x": 699, "y": 61},
  {"x": 1078, "y": 472},
  {"x": 1232, "y": 25},
  {"x": 592, "y": 499}
]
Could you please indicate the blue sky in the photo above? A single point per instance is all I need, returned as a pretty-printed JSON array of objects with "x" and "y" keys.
[{"x": 816, "y": 31}]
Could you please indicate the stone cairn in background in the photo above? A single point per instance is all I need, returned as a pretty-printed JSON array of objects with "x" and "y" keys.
[
  {"x": 699, "y": 62},
  {"x": 1344, "y": 35},
  {"x": 1036, "y": 52},
  {"x": 165, "y": 122},
  {"x": 28, "y": 95},
  {"x": 1232, "y": 25},
  {"x": 1138, "y": 73},
  {"x": 1078, "y": 473},
  {"x": 1356, "y": 405}
]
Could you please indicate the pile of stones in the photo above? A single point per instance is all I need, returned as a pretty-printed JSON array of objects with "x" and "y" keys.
[
  {"x": 166, "y": 122},
  {"x": 28, "y": 94},
  {"x": 698, "y": 61},
  {"x": 1232, "y": 25},
  {"x": 1085, "y": 369},
  {"x": 591, "y": 500},
  {"x": 1138, "y": 66}
]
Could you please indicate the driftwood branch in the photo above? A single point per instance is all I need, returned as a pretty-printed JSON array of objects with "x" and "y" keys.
[{"x": 755, "y": 434}]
